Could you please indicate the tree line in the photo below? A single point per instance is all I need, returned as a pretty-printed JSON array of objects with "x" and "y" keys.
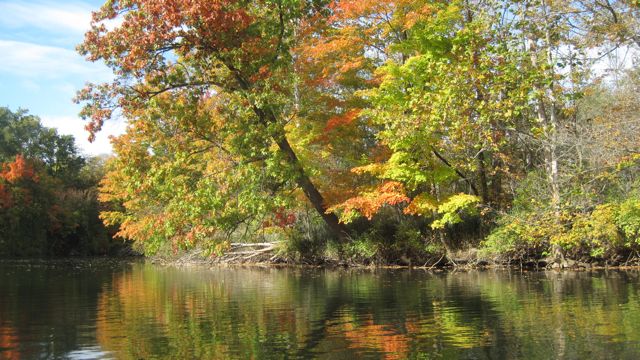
[
  {"x": 48, "y": 192},
  {"x": 376, "y": 131}
]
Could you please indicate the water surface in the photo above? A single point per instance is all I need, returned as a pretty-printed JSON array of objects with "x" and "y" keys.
[{"x": 122, "y": 310}]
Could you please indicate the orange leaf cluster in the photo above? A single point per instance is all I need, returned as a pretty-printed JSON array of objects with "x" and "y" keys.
[
  {"x": 18, "y": 170},
  {"x": 152, "y": 33},
  {"x": 354, "y": 9},
  {"x": 368, "y": 204},
  {"x": 343, "y": 119},
  {"x": 216, "y": 24}
]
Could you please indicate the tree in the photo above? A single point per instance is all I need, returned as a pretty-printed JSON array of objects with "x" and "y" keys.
[
  {"x": 23, "y": 134},
  {"x": 447, "y": 104},
  {"x": 235, "y": 52}
]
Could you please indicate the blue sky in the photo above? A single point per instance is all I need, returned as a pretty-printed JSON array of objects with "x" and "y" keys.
[{"x": 40, "y": 69}]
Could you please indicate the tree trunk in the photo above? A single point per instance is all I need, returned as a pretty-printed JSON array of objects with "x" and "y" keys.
[
  {"x": 310, "y": 190},
  {"x": 267, "y": 118},
  {"x": 553, "y": 143},
  {"x": 482, "y": 175},
  {"x": 548, "y": 116}
]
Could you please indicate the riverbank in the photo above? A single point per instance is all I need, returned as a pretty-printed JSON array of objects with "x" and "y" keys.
[{"x": 461, "y": 260}]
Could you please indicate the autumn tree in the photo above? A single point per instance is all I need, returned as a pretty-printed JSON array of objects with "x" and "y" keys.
[
  {"x": 237, "y": 52},
  {"x": 571, "y": 193},
  {"x": 446, "y": 105},
  {"x": 171, "y": 183},
  {"x": 473, "y": 96}
]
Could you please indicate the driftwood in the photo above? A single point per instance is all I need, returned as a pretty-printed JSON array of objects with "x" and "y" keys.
[
  {"x": 253, "y": 244},
  {"x": 241, "y": 252}
]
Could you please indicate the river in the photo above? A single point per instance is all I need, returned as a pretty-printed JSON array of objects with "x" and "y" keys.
[{"x": 136, "y": 310}]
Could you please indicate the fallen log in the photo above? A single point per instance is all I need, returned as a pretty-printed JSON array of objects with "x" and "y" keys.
[
  {"x": 253, "y": 244},
  {"x": 246, "y": 251}
]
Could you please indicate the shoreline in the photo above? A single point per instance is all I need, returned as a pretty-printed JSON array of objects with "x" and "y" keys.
[
  {"x": 88, "y": 262},
  {"x": 266, "y": 255},
  {"x": 337, "y": 265}
]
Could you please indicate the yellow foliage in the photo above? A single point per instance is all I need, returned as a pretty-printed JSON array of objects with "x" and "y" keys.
[{"x": 423, "y": 204}]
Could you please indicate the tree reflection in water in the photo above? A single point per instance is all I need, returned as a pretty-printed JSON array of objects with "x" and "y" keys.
[
  {"x": 138, "y": 310},
  {"x": 293, "y": 313}
]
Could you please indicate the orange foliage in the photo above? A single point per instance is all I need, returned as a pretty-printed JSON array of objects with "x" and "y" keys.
[
  {"x": 343, "y": 185},
  {"x": 12, "y": 173},
  {"x": 149, "y": 28},
  {"x": 18, "y": 170},
  {"x": 368, "y": 204},
  {"x": 342, "y": 119}
]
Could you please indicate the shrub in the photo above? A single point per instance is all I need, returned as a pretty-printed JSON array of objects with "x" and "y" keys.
[{"x": 628, "y": 220}]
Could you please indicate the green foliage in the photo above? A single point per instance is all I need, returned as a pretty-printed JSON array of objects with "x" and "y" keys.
[
  {"x": 628, "y": 220},
  {"x": 453, "y": 208},
  {"x": 604, "y": 231},
  {"x": 48, "y": 195},
  {"x": 365, "y": 248},
  {"x": 391, "y": 238},
  {"x": 520, "y": 235},
  {"x": 308, "y": 241},
  {"x": 595, "y": 232},
  {"x": 23, "y": 134}
]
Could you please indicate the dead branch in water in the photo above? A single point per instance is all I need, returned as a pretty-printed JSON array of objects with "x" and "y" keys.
[{"x": 241, "y": 252}]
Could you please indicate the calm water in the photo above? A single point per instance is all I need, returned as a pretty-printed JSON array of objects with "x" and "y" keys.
[{"x": 143, "y": 311}]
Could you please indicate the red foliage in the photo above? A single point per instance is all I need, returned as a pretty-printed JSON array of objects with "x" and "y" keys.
[
  {"x": 192, "y": 29},
  {"x": 281, "y": 218},
  {"x": 284, "y": 219}
]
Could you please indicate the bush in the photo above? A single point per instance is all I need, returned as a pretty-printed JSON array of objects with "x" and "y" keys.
[
  {"x": 628, "y": 221},
  {"x": 519, "y": 235},
  {"x": 595, "y": 232}
]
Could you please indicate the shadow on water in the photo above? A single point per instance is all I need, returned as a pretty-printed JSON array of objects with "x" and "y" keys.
[{"x": 137, "y": 310}]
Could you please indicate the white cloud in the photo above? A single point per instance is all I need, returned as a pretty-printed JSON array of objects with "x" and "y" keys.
[
  {"x": 71, "y": 125},
  {"x": 39, "y": 61},
  {"x": 36, "y": 53},
  {"x": 56, "y": 16}
]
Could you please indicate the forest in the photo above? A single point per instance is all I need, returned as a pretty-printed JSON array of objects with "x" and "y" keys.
[
  {"x": 48, "y": 193},
  {"x": 409, "y": 132}
]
